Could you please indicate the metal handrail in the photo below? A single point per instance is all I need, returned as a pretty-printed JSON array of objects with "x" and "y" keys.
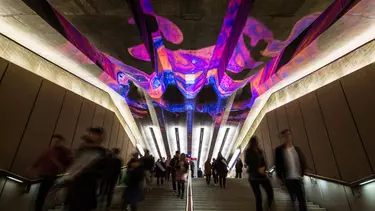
[
  {"x": 189, "y": 195},
  {"x": 26, "y": 181},
  {"x": 6, "y": 173},
  {"x": 333, "y": 180}
]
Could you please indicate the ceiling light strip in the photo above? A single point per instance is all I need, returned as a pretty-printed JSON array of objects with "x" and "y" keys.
[
  {"x": 155, "y": 141},
  {"x": 224, "y": 139},
  {"x": 200, "y": 143},
  {"x": 177, "y": 139},
  {"x": 234, "y": 158},
  {"x": 163, "y": 145}
]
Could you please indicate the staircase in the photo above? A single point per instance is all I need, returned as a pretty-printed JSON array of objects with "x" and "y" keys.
[
  {"x": 238, "y": 196},
  {"x": 160, "y": 198}
]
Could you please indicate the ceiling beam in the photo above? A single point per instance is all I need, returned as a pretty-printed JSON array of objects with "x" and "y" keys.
[{"x": 231, "y": 30}]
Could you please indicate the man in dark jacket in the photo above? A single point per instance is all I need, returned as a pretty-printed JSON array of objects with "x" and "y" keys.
[
  {"x": 239, "y": 166},
  {"x": 113, "y": 173},
  {"x": 290, "y": 167}
]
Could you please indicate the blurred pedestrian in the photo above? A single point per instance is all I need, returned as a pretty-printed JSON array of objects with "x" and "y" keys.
[
  {"x": 113, "y": 174},
  {"x": 160, "y": 172},
  {"x": 52, "y": 162},
  {"x": 290, "y": 167},
  {"x": 222, "y": 170},
  {"x": 239, "y": 166},
  {"x": 182, "y": 169},
  {"x": 174, "y": 163},
  {"x": 133, "y": 193},
  {"x": 256, "y": 163},
  {"x": 207, "y": 171},
  {"x": 88, "y": 168}
]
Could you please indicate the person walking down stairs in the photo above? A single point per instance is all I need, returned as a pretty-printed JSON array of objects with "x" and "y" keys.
[
  {"x": 239, "y": 166},
  {"x": 290, "y": 167},
  {"x": 255, "y": 161}
]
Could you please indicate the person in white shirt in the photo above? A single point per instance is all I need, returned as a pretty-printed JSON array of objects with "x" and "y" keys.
[{"x": 290, "y": 167}]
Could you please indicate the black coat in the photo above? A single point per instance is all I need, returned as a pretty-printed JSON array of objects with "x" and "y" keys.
[
  {"x": 221, "y": 167},
  {"x": 239, "y": 166},
  {"x": 281, "y": 168},
  {"x": 254, "y": 159}
]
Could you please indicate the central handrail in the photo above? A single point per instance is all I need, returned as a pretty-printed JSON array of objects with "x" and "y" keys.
[
  {"x": 354, "y": 184},
  {"x": 189, "y": 195}
]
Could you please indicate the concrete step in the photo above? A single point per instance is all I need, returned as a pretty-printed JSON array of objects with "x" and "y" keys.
[{"x": 238, "y": 196}]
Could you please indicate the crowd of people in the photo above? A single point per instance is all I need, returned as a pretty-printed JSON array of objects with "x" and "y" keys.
[
  {"x": 89, "y": 173},
  {"x": 92, "y": 172},
  {"x": 218, "y": 169}
]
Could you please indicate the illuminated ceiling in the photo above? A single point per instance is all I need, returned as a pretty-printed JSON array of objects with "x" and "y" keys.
[{"x": 189, "y": 71}]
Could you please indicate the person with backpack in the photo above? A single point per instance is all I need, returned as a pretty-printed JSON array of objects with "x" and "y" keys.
[{"x": 160, "y": 172}]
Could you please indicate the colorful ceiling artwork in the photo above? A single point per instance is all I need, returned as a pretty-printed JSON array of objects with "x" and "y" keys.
[{"x": 246, "y": 60}]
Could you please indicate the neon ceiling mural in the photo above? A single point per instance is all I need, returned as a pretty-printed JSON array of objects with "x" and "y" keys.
[
  {"x": 244, "y": 46},
  {"x": 190, "y": 70}
]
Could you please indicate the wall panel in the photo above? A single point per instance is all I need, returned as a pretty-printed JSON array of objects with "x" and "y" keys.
[
  {"x": 68, "y": 118},
  {"x": 99, "y": 116},
  {"x": 325, "y": 163},
  {"x": 361, "y": 101},
  {"x": 18, "y": 91},
  {"x": 273, "y": 129},
  {"x": 282, "y": 118},
  {"x": 297, "y": 126},
  {"x": 114, "y": 133},
  {"x": 124, "y": 148},
  {"x": 268, "y": 150},
  {"x": 343, "y": 133},
  {"x": 84, "y": 122},
  {"x": 39, "y": 130},
  {"x": 108, "y": 121},
  {"x": 120, "y": 137},
  {"x": 3, "y": 67}
]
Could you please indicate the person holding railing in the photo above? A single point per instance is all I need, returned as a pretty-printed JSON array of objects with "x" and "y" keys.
[
  {"x": 254, "y": 159},
  {"x": 52, "y": 162},
  {"x": 290, "y": 167}
]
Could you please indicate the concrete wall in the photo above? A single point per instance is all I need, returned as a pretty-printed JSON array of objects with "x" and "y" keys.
[
  {"x": 32, "y": 109},
  {"x": 333, "y": 127}
]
